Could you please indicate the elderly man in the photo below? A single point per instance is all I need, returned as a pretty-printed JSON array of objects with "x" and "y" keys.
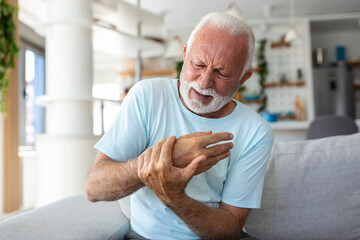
[{"x": 192, "y": 158}]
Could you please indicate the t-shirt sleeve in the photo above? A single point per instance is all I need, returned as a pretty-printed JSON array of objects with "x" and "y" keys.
[
  {"x": 127, "y": 138},
  {"x": 245, "y": 179}
]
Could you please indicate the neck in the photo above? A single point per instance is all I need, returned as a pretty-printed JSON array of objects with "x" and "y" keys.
[{"x": 222, "y": 112}]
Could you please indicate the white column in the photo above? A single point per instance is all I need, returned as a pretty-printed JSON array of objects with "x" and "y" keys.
[
  {"x": 65, "y": 153},
  {"x": 69, "y": 66}
]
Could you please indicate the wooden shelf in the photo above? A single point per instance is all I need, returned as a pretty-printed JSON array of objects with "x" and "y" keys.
[
  {"x": 284, "y": 84},
  {"x": 280, "y": 44},
  {"x": 348, "y": 64},
  {"x": 163, "y": 72},
  {"x": 257, "y": 101},
  {"x": 353, "y": 63},
  {"x": 122, "y": 44},
  {"x": 256, "y": 69}
]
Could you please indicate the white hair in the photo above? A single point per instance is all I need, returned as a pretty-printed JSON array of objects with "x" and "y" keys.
[{"x": 231, "y": 25}]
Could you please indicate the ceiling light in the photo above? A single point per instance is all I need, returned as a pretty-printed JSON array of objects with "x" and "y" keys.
[
  {"x": 292, "y": 33},
  {"x": 234, "y": 10},
  {"x": 174, "y": 50}
]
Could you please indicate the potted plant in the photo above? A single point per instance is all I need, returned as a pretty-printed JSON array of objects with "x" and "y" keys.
[
  {"x": 263, "y": 73},
  {"x": 8, "y": 47}
]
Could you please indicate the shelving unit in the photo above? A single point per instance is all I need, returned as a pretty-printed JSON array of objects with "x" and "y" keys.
[
  {"x": 258, "y": 101},
  {"x": 162, "y": 72},
  {"x": 348, "y": 63},
  {"x": 353, "y": 63},
  {"x": 123, "y": 45},
  {"x": 284, "y": 84}
]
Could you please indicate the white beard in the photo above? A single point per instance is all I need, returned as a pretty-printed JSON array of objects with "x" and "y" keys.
[{"x": 197, "y": 106}]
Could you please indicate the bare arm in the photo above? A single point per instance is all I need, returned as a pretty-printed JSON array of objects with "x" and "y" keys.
[
  {"x": 109, "y": 180},
  {"x": 224, "y": 222},
  {"x": 168, "y": 182}
]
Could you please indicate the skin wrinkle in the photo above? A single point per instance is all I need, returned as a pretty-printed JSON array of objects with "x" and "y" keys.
[{"x": 213, "y": 57}]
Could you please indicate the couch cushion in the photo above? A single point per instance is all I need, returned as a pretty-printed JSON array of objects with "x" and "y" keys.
[
  {"x": 311, "y": 191},
  {"x": 70, "y": 218}
]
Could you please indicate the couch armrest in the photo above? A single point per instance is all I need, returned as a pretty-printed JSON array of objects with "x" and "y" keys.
[{"x": 71, "y": 218}]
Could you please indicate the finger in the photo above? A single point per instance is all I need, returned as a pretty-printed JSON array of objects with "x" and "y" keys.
[
  {"x": 218, "y": 149},
  {"x": 140, "y": 162},
  {"x": 143, "y": 161},
  {"x": 197, "y": 134},
  {"x": 166, "y": 151},
  {"x": 146, "y": 156},
  {"x": 216, "y": 137},
  {"x": 156, "y": 151},
  {"x": 214, "y": 160},
  {"x": 190, "y": 170},
  {"x": 210, "y": 162}
]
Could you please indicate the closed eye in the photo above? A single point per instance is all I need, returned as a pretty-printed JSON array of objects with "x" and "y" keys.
[
  {"x": 198, "y": 65},
  {"x": 223, "y": 75}
]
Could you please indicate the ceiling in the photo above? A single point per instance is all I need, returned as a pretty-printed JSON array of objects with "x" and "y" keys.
[
  {"x": 177, "y": 17},
  {"x": 186, "y": 13}
]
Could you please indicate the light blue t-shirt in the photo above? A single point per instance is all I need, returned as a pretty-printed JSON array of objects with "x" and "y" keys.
[{"x": 151, "y": 111}]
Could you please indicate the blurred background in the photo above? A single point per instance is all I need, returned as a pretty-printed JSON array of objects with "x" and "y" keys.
[{"x": 78, "y": 59}]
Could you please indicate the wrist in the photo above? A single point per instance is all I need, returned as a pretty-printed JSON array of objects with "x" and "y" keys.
[
  {"x": 135, "y": 169},
  {"x": 176, "y": 201}
]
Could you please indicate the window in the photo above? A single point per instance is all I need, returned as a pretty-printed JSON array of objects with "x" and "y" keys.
[{"x": 32, "y": 85}]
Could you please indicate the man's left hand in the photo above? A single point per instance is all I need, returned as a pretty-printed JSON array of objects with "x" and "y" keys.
[{"x": 156, "y": 170}]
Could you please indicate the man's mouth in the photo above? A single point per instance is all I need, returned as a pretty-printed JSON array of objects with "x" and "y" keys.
[{"x": 200, "y": 96}]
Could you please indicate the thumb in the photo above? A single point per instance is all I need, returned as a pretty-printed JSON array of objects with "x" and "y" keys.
[{"x": 190, "y": 170}]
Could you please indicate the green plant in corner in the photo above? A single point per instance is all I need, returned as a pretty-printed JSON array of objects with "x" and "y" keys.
[
  {"x": 8, "y": 47},
  {"x": 263, "y": 73},
  {"x": 178, "y": 67}
]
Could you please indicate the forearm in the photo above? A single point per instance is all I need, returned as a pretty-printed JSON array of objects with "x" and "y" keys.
[
  {"x": 109, "y": 180},
  {"x": 206, "y": 222}
]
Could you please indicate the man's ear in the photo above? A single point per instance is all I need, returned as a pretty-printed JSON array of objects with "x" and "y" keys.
[
  {"x": 184, "y": 52},
  {"x": 246, "y": 76}
]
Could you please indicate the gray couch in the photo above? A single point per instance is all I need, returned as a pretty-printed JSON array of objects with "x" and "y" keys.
[{"x": 311, "y": 191}]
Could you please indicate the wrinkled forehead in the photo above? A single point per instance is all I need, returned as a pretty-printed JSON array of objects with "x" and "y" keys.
[
  {"x": 217, "y": 45},
  {"x": 221, "y": 39}
]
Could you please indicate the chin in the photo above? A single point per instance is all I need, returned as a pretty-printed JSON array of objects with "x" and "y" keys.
[{"x": 199, "y": 108}]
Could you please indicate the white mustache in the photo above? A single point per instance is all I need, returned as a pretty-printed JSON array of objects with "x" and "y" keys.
[{"x": 208, "y": 91}]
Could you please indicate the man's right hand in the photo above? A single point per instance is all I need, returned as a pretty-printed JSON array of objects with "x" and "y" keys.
[{"x": 193, "y": 145}]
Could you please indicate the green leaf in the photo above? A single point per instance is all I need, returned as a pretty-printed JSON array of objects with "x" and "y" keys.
[{"x": 8, "y": 47}]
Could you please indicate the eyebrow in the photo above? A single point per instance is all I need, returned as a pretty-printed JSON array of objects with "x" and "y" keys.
[{"x": 198, "y": 60}]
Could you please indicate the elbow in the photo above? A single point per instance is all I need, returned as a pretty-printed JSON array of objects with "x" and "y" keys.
[
  {"x": 90, "y": 197},
  {"x": 90, "y": 194}
]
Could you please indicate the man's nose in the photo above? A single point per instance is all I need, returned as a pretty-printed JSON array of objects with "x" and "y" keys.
[{"x": 206, "y": 79}]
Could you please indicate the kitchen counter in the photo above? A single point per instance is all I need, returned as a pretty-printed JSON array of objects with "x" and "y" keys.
[
  {"x": 293, "y": 130},
  {"x": 290, "y": 125}
]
